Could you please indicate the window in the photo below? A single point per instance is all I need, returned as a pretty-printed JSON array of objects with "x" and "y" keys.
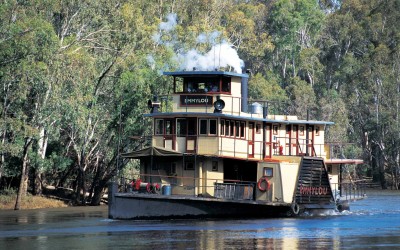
[
  {"x": 275, "y": 128},
  {"x": 329, "y": 169},
  {"x": 317, "y": 130},
  {"x": 214, "y": 166},
  {"x": 203, "y": 126},
  {"x": 268, "y": 172},
  {"x": 201, "y": 84},
  {"x": 227, "y": 129},
  {"x": 178, "y": 84},
  {"x": 258, "y": 128},
  {"x": 189, "y": 165},
  {"x": 213, "y": 127},
  {"x": 287, "y": 129},
  {"x": 159, "y": 123},
  {"x": 242, "y": 129},
  {"x": 232, "y": 128},
  {"x": 191, "y": 126},
  {"x": 208, "y": 127},
  {"x": 301, "y": 130},
  {"x": 181, "y": 127},
  {"x": 168, "y": 128},
  {"x": 222, "y": 131},
  {"x": 226, "y": 84},
  {"x": 172, "y": 170}
]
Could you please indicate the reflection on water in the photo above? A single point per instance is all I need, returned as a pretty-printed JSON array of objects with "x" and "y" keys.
[{"x": 372, "y": 223}]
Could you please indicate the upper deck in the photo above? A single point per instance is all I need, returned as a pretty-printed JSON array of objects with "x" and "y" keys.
[{"x": 209, "y": 114}]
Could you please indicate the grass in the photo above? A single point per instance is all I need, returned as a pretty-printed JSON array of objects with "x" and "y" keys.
[{"x": 7, "y": 201}]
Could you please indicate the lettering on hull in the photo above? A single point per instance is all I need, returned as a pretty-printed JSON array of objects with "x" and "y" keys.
[{"x": 315, "y": 191}]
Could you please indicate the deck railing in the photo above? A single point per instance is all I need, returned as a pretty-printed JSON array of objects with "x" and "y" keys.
[
  {"x": 349, "y": 190},
  {"x": 222, "y": 189},
  {"x": 234, "y": 191}
]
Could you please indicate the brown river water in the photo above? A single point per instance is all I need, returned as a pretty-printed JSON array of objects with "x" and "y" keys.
[{"x": 372, "y": 223}]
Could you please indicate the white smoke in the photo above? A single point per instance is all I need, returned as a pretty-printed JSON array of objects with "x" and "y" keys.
[
  {"x": 221, "y": 55},
  {"x": 170, "y": 24}
]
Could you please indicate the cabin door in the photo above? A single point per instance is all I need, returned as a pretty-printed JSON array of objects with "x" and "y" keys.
[
  {"x": 169, "y": 134},
  {"x": 288, "y": 140},
  {"x": 250, "y": 150},
  {"x": 294, "y": 140},
  {"x": 186, "y": 134},
  {"x": 191, "y": 135},
  {"x": 310, "y": 140},
  {"x": 268, "y": 140}
]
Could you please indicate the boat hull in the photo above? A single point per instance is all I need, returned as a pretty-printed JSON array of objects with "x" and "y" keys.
[{"x": 143, "y": 206}]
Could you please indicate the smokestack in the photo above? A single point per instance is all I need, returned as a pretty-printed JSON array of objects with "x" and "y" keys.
[{"x": 245, "y": 92}]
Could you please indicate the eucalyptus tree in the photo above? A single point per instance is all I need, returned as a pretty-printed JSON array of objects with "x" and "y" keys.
[
  {"x": 28, "y": 42},
  {"x": 361, "y": 57},
  {"x": 294, "y": 26}
]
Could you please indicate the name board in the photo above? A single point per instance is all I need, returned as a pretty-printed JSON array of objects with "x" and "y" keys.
[
  {"x": 196, "y": 100},
  {"x": 313, "y": 191}
]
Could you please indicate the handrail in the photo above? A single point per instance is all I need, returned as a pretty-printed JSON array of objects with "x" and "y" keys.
[{"x": 188, "y": 189}]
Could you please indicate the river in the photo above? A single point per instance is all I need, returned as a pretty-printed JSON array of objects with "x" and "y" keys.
[{"x": 372, "y": 223}]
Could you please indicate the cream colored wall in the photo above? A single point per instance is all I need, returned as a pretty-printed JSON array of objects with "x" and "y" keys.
[
  {"x": 283, "y": 182},
  {"x": 274, "y": 181},
  {"x": 158, "y": 141},
  {"x": 202, "y": 108},
  {"x": 231, "y": 147},
  {"x": 207, "y": 145},
  {"x": 207, "y": 177},
  {"x": 289, "y": 172}
]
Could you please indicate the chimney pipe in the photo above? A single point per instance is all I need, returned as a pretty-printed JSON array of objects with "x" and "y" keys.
[{"x": 245, "y": 92}]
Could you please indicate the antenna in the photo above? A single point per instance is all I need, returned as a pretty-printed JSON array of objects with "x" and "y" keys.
[{"x": 219, "y": 56}]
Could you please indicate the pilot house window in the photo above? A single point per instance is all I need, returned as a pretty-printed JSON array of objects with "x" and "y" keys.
[
  {"x": 159, "y": 124},
  {"x": 203, "y": 84}
]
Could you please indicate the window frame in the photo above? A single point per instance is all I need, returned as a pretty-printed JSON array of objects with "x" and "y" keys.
[
  {"x": 242, "y": 130},
  {"x": 158, "y": 131},
  {"x": 187, "y": 163},
  {"x": 215, "y": 127},
  {"x": 222, "y": 127},
  {"x": 201, "y": 128}
]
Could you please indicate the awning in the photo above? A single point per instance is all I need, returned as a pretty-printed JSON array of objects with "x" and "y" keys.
[
  {"x": 344, "y": 161},
  {"x": 151, "y": 151}
]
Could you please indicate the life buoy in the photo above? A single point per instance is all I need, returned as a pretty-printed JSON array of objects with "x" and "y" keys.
[
  {"x": 137, "y": 184},
  {"x": 295, "y": 208},
  {"x": 260, "y": 184},
  {"x": 149, "y": 188}
]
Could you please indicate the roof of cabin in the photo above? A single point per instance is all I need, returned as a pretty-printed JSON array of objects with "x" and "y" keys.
[
  {"x": 228, "y": 116},
  {"x": 204, "y": 73}
]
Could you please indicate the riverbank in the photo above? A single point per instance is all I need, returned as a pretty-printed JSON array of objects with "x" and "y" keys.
[{"x": 7, "y": 202}]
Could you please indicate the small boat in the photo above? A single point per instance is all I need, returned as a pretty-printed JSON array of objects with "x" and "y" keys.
[{"x": 215, "y": 153}]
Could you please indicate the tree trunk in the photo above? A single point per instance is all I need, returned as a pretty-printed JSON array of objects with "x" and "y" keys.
[
  {"x": 81, "y": 187},
  {"x": 42, "y": 146},
  {"x": 24, "y": 177},
  {"x": 98, "y": 192}
]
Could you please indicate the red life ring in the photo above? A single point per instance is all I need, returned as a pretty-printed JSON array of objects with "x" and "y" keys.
[
  {"x": 137, "y": 184},
  {"x": 267, "y": 184}
]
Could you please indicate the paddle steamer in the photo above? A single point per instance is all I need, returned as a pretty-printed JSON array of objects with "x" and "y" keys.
[{"x": 215, "y": 153}]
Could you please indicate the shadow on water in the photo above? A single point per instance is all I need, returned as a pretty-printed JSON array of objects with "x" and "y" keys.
[{"x": 371, "y": 223}]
